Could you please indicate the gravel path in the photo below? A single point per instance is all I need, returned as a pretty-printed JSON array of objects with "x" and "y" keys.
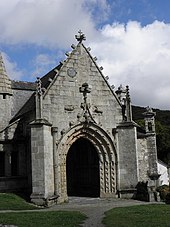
[{"x": 94, "y": 208}]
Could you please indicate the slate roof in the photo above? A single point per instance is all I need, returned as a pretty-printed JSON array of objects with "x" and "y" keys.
[
  {"x": 27, "y": 107},
  {"x": 23, "y": 85},
  {"x": 50, "y": 75},
  {"x": 30, "y": 104}
]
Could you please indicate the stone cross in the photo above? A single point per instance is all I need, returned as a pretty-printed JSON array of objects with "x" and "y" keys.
[
  {"x": 85, "y": 89},
  {"x": 80, "y": 37}
]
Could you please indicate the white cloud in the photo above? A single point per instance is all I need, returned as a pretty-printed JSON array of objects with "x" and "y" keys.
[
  {"x": 41, "y": 63},
  {"x": 137, "y": 56},
  {"x": 12, "y": 69},
  {"x": 51, "y": 23},
  {"x": 130, "y": 54}
]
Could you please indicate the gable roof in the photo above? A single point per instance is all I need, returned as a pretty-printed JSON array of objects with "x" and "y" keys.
[
  {"x": 54, "y": 74},
  {"x": 47, "y": 81}
]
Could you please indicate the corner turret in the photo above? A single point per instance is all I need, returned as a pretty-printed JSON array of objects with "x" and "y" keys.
[
  {"x": 149, "y": 117},
  {"x": 5, "y": 96},
  {"x": 124, "y": 97},
  {"x": 5, "y": 82}
]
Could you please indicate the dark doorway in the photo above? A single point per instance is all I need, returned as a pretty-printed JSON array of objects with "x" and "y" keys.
[{"x": 83, "y": 169}]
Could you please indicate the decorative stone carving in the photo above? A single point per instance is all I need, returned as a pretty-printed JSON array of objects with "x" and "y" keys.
[
  {"x": 86, "y": 114},
  {"x": 97, "y": 110},
  {"x": 69, "y": 108}
]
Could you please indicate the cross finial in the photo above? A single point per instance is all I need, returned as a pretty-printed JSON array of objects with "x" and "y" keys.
[
  {"x": 80, "y": 37},
  {"x": 39, "y": 88},
  {"x": 127, "y": 93}
]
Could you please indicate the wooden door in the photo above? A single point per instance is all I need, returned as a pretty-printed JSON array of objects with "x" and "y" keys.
[{"x": 83, "y": 169}]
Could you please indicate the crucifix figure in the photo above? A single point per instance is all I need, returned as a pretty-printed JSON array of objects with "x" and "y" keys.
[{"x": 85, "y": 89}]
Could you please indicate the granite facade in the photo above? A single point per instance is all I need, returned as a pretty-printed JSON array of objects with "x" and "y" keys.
[{"x": 73, "y": 104}]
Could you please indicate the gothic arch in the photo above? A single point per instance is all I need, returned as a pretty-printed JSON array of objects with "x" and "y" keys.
[{"x": 106, "y": 152}]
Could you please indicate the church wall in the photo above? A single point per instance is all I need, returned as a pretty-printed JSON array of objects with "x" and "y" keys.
[
  {"x": 127, "y": 159},
  {"x": 61, "y": 104},
  {"x": 62, "y": 101},
  {"x": 15, "y": 167}
]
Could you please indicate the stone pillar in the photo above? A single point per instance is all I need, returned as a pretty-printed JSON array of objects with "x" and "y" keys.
[
  {"x": 149, "y": 117},
  {"x": 127, "y": 159},
  {"x": 42, "y": 162},
  {"x": 128, "y": 105},
  {"x": 55, "y": 161}
]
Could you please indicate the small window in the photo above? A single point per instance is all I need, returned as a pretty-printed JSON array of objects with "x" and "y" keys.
[{"x": 2, "y": 164}]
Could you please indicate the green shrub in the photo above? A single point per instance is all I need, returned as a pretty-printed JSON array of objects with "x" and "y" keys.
[
  {"x": 163, "y": 191},
  {"x": 167, "y": 198}
]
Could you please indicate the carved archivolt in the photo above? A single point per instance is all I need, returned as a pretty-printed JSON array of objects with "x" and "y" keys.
[{"x": 105, "y": 149}]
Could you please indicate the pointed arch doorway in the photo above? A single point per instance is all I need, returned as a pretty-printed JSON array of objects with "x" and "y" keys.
[{"x": 82, "y": 169}]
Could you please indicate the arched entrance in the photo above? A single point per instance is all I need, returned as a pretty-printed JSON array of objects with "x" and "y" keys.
[{"x": 82, "y": 169}]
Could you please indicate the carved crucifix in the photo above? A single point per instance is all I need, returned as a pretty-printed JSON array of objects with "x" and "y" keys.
[{"x": 85, "y": 89}]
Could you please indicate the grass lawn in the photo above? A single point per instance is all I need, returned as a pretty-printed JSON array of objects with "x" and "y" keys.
[
  {"x": 43, "y": 218},
  {"x": 145, "y": 215},
  {"x": 10, "y": 201},
  {"x": 37, "y": 218}
]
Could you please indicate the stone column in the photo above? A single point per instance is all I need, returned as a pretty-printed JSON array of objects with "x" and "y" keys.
[
  {"x": 127, "y": 159},
  {"x": 55, "y": 160},
  {"x": 42, "y": 162},
  {"x": 149, "y": 117}
]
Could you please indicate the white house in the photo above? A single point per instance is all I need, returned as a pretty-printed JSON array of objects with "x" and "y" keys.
[{"x": 163, "y": 170}]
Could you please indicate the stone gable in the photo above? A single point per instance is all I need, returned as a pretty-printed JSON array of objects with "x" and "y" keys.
[{"x": 64, "y": 99}]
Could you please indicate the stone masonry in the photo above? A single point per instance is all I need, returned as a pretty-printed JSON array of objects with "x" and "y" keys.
[{"x": 72, "y": 134}]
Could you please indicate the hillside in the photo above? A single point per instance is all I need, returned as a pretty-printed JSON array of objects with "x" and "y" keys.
[{"x": 162, "y": 129}]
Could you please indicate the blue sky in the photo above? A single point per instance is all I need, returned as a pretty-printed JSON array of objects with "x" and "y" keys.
[{"x": 130, "y": 38}]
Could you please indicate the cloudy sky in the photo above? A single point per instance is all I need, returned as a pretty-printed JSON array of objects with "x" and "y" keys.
[{"x": 130, "y": 38}]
